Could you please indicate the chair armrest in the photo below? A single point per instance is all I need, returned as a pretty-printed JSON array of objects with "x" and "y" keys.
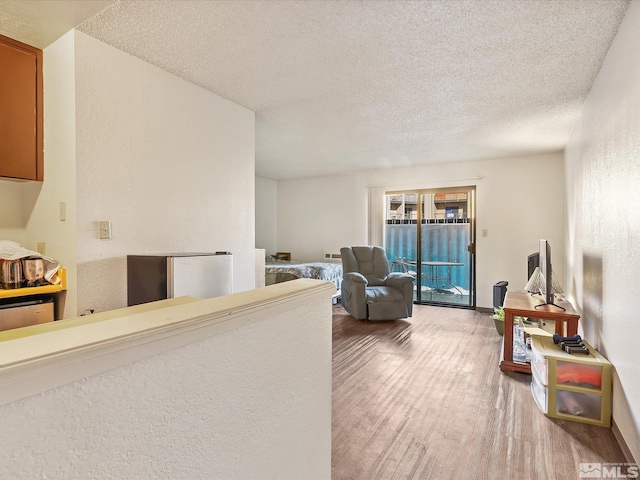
[
  {"x": 397, "y": 279},
  {"x": 354, "y": 296},
  {"x": 354, "y": 277},
  {"x": 404, "y": 283}
]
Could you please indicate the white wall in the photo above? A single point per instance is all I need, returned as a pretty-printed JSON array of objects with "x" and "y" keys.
[
  {"x": 603, "y": 220},
  {"x": 12, "y": 220},
  {"x": 168, "y": 163},
  {"x": 320, "y": 214},
  {"x": 266, "y": 214},
  {"x": 519, "y": 201},
  {"x": 42, "y": 201}
]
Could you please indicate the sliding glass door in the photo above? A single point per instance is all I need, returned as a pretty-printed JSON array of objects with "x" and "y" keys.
[{"x": 430, "y": 234}]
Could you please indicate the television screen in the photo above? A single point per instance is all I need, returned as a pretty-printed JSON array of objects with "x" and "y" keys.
[
  {"x": 546, "y": 289},
  {"x": 533, "y": 261}
]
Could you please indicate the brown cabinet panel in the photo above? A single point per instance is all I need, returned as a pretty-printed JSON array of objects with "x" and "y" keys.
[{"x": 21, "y": 116}]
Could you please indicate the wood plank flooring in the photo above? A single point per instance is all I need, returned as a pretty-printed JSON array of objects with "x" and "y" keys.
[{"x": 424, "y": 398}]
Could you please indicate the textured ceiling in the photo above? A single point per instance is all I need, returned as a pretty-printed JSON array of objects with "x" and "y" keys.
[
  {"x": 41, "y": 22},
  {"x": 348, "y": 85}
]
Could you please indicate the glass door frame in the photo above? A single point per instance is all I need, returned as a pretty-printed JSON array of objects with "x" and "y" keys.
[{"x": 470, "y": 190}]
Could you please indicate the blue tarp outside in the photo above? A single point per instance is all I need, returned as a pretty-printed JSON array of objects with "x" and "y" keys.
[{"x": 446, "y": 242}]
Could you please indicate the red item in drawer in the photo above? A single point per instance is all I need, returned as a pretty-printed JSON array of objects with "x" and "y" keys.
[{"x": 578, "y": 374}]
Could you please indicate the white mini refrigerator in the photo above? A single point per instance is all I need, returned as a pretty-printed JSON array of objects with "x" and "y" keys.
[{"x": 161, "y": 276}]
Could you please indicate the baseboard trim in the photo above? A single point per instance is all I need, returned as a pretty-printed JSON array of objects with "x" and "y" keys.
[{"x": 623, "y": 444}]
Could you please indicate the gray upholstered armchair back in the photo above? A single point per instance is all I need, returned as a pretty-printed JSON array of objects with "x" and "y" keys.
[{"x": 369, "y": 261}]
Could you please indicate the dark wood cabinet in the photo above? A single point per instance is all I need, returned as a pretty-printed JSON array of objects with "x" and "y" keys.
[{"x": 21, "y": 111}]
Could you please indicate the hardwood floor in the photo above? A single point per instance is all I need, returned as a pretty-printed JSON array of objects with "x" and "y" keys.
[{"x": 424, "y": 399}]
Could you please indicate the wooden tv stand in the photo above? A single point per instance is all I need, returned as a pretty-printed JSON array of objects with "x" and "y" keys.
[{"x": 523, "y": 304}]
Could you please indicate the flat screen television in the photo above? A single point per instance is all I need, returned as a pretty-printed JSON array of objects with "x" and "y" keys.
[
  {"x": 533, "y": 262},
  {"x": 546, "y": 274}
]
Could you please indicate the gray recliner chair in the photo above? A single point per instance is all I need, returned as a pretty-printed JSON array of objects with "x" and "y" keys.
[{"x": 369, "y": 290}]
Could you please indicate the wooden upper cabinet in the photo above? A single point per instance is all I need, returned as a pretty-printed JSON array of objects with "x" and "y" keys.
[{"x": 21, "y": 111}]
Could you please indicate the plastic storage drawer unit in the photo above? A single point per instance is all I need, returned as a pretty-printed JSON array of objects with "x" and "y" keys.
[
  {"x": 539, "y": 392},
  {"x": 539, "y": 364},
  {"x": 570, "y": 386}
]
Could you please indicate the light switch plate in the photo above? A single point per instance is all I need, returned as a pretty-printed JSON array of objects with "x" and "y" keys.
[{"x": 104, "y": 229}]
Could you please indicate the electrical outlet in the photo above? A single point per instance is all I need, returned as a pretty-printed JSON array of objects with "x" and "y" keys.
[
  {"x": 104, "y": 229},
  {"x": 485, "y": 232},
  {"x": 63, "y": 211},
  {"x": 42, "y": 248}
]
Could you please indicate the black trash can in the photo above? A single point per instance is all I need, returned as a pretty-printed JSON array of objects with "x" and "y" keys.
[{"x": 499, "y": 291}]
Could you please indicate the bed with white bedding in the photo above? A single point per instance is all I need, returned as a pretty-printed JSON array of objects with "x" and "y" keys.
[{"x": 277, "y": 271}]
